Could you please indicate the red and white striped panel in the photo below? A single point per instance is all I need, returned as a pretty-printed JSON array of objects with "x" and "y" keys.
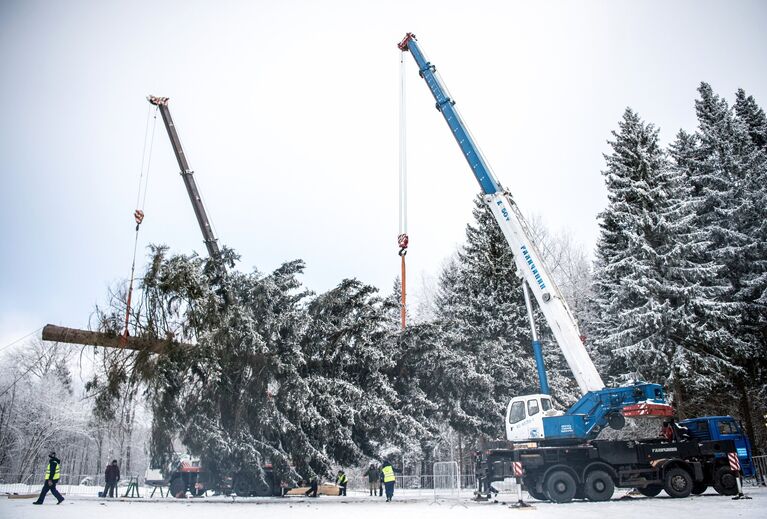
[
  {"x": 517, "y": 465},
  {"x": 732, "y": 457},
  {"x": 648, "y": 409}
]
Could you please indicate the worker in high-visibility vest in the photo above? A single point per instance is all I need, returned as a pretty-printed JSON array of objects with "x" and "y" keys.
[
  {"x": 342, "y": 481},
  {"x": 388, "y": 479},
  {"x": 52, "y": 476}
]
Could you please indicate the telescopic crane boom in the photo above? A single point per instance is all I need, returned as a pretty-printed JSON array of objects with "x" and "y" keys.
[
  {"x": 529, "y": 262},
  {"x": 188, "y": 176}
]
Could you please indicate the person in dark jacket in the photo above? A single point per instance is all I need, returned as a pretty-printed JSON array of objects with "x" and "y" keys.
[
  {"x": 373, "y": 479},
  {"x": 111, "y": 476},
  {"x": 313, "y": 484},
  {"x": 52, "y": 475}
]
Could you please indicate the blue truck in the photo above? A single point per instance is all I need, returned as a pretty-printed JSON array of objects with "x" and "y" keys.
[{"x": 723, "y": 428}]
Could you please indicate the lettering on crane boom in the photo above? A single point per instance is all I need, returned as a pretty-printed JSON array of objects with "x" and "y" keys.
[
  {"x": 504, "y": 211},
  {"x": 533, "y": 268}
]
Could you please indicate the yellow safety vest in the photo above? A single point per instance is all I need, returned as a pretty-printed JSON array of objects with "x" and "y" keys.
[
  {"x": 56, "y": 474},
  {"x": 388, "y": 474},
  {"x": 342, "y": 479}
]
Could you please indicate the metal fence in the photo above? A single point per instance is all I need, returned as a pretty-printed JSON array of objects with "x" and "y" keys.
[
  {"x": 92, "y": 484},
  {"x": 760, "y": 464},
  {"x": 72, "y": 484},
  {"x": 423, "y": 484}
]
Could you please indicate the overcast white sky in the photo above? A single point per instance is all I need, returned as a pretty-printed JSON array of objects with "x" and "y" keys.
[{"x": 288, "y": 114}]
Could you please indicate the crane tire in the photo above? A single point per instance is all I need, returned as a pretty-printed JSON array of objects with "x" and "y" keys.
[
  {"x": 650, "y": 490},
  {"x": 698, "y": 488},
  {"x": 725, "y": 481},
  {"x": 599, "y": 486},
  {"x": 560, "y": 486},
  {"x": 677, "y": 482}
]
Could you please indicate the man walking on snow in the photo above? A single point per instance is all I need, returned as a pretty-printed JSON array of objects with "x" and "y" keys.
[{"x": 52, "y": 475}]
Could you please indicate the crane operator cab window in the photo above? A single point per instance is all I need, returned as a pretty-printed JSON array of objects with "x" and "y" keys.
[
  {"x": 517, "y": 413},
  {"x": 532, "y": 407}
]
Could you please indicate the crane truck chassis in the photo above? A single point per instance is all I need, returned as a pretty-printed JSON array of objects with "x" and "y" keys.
[{"x": 592, "y": 470}]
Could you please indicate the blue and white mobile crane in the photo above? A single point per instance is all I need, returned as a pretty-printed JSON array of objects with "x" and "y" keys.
[
  {"x": 559, "y": 452},
  {"x": 599, "y": 406}
]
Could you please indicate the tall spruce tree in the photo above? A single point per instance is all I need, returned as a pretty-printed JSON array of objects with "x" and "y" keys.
[
  {"x": 485, "y": 330},
  {"x": 732, "y": 164},
  {"x": 275, "y": 374},
  {"x": 652, "y": 310},
  {"x": 628, "y": 280}
]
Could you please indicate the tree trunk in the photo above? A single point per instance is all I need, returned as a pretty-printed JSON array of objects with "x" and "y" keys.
[
  {"x": 678, "y": 398},
  {"x": 74, "y": 336},
  {"x": 745, "y": 408}
]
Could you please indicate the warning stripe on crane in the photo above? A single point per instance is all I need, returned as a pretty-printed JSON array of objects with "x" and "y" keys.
[
  {"x": 732, "y": 457},
  {"x": 648, "y": 409},
  {"x": 517, "y": 466}
]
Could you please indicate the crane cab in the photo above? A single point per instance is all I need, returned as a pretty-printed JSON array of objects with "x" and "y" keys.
[{"x": 524, "y": 416}]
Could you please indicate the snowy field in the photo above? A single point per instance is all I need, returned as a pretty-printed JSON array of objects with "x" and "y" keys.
[{"x": 707, "y": 506}]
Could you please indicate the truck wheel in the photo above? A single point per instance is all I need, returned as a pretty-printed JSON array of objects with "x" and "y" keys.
[
  {"x": 540, "y": 496},
  {"x": 598, "y": 486},
  {"x": 177, "y": 487},
  {"x": 560, "y": 486},
  {"x": 725, "y": 482},
  {"x": 699, "y": 487},
  {"x": 650, "y": 490},
  {"x": 678, "y": 482}
]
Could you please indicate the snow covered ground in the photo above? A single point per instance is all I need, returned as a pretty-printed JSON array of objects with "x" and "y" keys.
[{"x": 707, "y": 506}]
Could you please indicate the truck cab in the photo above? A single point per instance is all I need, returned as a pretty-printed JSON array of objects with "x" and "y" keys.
[
  {"x": 524, "y": 416},
  {"x": 723, "y": 428}
]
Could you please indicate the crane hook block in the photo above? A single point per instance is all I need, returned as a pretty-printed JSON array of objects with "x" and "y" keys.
[
  {"x": 402, "y": 241},
  {"x": 138, "y": 214}
]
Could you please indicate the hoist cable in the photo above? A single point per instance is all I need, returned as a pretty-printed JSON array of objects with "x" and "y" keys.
[
  {"x": 138, "y": 214},
  {"x": 402, "y": 239},
  {"x": 16, "y": 380},
  {"x": 20, "y": 339}
]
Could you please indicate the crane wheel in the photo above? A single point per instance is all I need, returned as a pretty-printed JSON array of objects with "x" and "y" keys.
[
  {"x": 698, "y": 488},
  {"x": 650, "y": 490},
  {"x": 560, "y": 486},
  {"x": 678, "y": 482},
  {"x": 725, "y": 481},
  {"x": 599, "y": 486}
]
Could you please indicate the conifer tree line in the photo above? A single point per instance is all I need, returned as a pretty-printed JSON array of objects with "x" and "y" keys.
[
  {"x": 275, "y": 374},
  {"x": 680, "y": 280}
]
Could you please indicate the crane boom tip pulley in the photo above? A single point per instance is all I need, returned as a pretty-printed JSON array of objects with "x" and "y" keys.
[{"x": 157, "y": 100}]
